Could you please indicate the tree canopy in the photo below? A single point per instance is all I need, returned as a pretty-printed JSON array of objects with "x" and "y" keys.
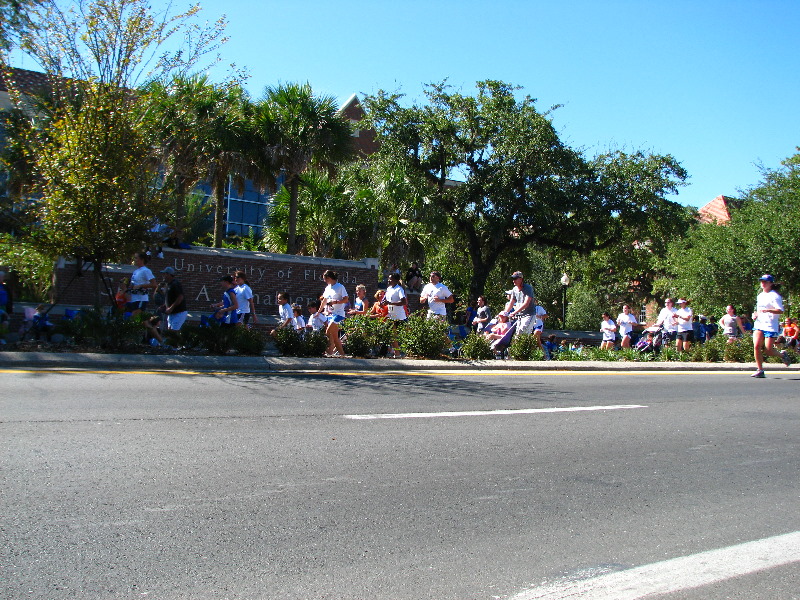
[
  {"x": 716, "y": 265},
  {"x": 496, "y": 167}
]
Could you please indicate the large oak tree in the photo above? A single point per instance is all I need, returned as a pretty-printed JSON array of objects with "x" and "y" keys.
[{"x": 497, "y": 168}]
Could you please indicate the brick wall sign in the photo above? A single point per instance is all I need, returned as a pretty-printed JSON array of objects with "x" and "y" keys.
[{"x": 199, "y": 270}]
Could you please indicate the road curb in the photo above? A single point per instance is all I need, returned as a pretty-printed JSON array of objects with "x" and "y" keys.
[{"x": 167, "y": 362}]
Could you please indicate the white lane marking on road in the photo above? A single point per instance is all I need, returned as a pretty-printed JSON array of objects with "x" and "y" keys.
[
  {"x": 677, "y": 574},
  {"x": 485, "y": 413}
]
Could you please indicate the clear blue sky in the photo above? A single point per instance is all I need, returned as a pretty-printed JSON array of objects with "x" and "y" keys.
[{"x": 714, "y": 83}]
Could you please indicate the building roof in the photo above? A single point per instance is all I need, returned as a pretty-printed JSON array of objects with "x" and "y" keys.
[
  {"x": 718, "y": 210},
  {"x": 24, "y": 80}
]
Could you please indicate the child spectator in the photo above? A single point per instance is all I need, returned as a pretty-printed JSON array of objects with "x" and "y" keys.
[
  {"x": 550, "y": 347},
  {"x": 299, "y": 321},
  {"x": 498, "y": 330},
  {"x": 122, "y": 296},
  {"x": 790, "y": 332},
  {"x": 646, "y": 344},
  {"x": 482, "y": 316},
  {"x": 285, "y": 314},
  {"x": 152, "y": 331},
  {"x": 379, "y": 309},
  {"x": 226, "y": 310},
  {"x": 40, "y": 324},
  {"x": 316, "y": 320}
]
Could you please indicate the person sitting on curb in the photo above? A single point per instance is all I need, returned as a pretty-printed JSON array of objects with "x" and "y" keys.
[{"x": 550, "y": 347}]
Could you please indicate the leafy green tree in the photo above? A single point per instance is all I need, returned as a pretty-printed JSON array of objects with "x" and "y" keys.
[
  {"x": 497, "y": 168},
  {"x": 296, "y": 130},
  {"x": 96, "y": 157},
  {"x": 189, "y": 115},
  {"x": 717, "y": 265},
  {"x": 14, "y": 21}
]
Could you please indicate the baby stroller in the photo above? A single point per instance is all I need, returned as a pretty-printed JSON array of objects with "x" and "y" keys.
[{"x": 643, "y": 346}]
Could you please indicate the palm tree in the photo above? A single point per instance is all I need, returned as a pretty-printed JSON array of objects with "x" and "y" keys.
[
  {"x": 296, "y": 129},
  {"x": 202, "y": 130}
]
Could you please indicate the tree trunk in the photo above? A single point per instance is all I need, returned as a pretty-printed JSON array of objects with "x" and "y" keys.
[
  {"x": 219, "y": 213},
  {"x": 480, "y": 274},
  {"x": 180, "y": 209},
  {"x": 294, "y": 191}
]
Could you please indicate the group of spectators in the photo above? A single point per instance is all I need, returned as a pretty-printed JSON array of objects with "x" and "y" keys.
[
  {"x": 683, "y": 328},
  {"x": 674, "y": 324},
  {"x": 391, "y": 303},
  {"x": 236, "y": 305}
]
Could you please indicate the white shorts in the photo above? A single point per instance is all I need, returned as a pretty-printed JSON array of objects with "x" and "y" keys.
[{"x": 525, "y": 324}]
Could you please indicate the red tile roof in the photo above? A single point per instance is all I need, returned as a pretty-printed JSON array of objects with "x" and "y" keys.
[
  {"x": 24, "y": 80},
  {"x": 718, "y": 210}
]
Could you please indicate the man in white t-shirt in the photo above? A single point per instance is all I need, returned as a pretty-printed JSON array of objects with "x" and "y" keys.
[
  {"x": 685, "y": 334},
  {"x": 436, "y": 295},
  {"x": 666, "y": 320}
]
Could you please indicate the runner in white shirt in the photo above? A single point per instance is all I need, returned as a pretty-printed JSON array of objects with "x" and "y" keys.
[
  {"x": 436, "y": 295},
  {"x": 608, "y": 329},
  {"x": 766, "y": 324},
  {"x": 395, "y": 299},
  {"x": 626, "y": 322},
  {"x": 142, "y": 281},
  {"x": 684, "y": 316},
  {"x": 335, "y": 297}
]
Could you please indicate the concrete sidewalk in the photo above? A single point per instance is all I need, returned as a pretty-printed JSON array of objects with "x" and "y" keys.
[{"x": 167, "y": 362}]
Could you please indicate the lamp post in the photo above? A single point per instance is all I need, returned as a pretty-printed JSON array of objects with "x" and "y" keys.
[{"x": 565, "y": 281}]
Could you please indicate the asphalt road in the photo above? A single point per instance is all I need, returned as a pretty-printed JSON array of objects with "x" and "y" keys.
[{"x": 263, "y": 486}]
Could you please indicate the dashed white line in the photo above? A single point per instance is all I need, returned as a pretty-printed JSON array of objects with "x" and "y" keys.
[
  {"x": 677, "y": 574},
  {"x": 488, "y": 413}
]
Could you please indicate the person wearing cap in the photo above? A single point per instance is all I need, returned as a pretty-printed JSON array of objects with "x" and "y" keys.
[
  {"x": 520, "y": 306},
  {"x": 226, "y": 310},
  {"x": 175, "y": 302},
  {"x": 436, "y": 294},
  {"x": 767, "y": 324},
  {"x": 685, "y": 331},
  {"x": 667, "y": 321}
]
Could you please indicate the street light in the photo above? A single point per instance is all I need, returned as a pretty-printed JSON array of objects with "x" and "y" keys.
[{"x": 565, "y": 281}]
